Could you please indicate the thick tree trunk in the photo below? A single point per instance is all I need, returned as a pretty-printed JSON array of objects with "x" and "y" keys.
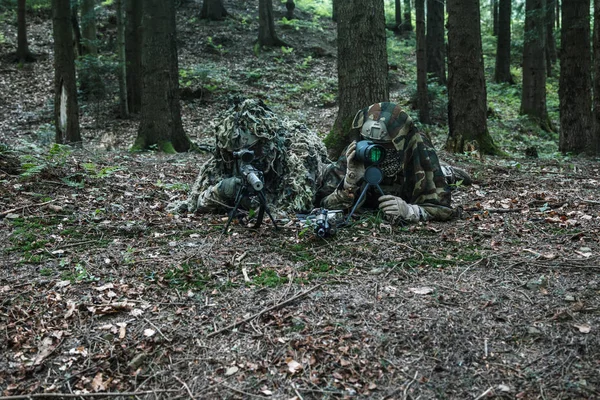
[
  {"x": 133, "y": 54},
  {"x": 160, "y": 125},
  {"x": 502, "y": 73},
  {"x": 362, "y": 66},
  {"x": 533, "y": 96},
  {"x": 266, "y": 25},
  {"x": 422, "y": 95},
  {"x": 66, "y": 110},
  {"x": 23, "y": 53},
  {"x": 122, "y": 61},
  {"x": 467, "y": 97},
  {"x": 436, "y": 47},
  {"x": 407, "y": 24},
  {"x": 213, "y": 10},
  {"x": 596, "y": 41},
  {"x": 575, "y": 84}
]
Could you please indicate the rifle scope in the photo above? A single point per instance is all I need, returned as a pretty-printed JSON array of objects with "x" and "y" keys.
[
  {"x": 247, "y": 156},
  {"x": 369, "y": 153}
]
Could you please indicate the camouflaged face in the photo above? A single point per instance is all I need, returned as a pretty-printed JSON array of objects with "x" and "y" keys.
[
  {"x": 397, "y": 123},
  {"x": 290, "y": 156}
]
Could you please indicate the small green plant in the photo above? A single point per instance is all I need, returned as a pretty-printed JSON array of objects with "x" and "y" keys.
[
  {"x": 269, "y": 278},
  {"x": 215, "y": 48}
]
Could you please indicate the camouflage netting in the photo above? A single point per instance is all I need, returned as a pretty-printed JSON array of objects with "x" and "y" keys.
[{"x": 291, "y": 157}]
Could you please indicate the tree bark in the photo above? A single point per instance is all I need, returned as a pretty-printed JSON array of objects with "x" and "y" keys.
[
  {"x": 551, "y": 53},
  {"x": 334, "y": 12},
  {"x": 66, "y": 109},
  {"x": 436, "y": 47},
  {"x": 596, "y": 42},
  {"x": 467, "y": 97},
  {"x": 398, "y": 14},
  {"x": 495, "y": 17},
  {"x": 533, "y": 96},
  {"x": 88, "y": 28},
  {"x": 133, "y": 54},
  {"x": 502, "y": 72},
  {"x": 266, "y": 25},
  {"x": 407, "y": 26},
  {"x": 122, "y": 60},
  {"x": 213, "y": 10},
  {"x": 23, "y": 53},
  {"x": 362, "y": 66},
  {"x": 160, "y": 125},
  {"x": 422, "y": 93},
  {"x": 574, "y": 87}
]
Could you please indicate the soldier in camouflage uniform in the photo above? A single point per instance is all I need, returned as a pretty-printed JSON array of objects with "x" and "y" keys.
[
  {"x": 290, "y": 156},
  {"x": 414, "y": 183}
]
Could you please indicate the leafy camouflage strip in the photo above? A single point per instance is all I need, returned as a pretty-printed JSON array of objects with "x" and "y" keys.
[
  {"x": 398, "y": 123},
  {"x": 291, "y": 157},
  {"x": 419, "y": 180}
]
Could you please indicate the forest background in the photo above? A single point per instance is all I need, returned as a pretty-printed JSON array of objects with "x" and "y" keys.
[{"x": 103, "y": 291}]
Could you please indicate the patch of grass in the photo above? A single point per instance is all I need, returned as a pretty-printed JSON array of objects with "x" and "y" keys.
[
  {"x": 269, "y": 278},
  {"x": 186, "y": 276}
]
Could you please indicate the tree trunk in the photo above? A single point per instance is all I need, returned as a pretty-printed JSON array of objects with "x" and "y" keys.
[
  {"x": 122, "y": 61},
  {"x": 398, "y": 14},
  {"x": 495, "y": 17},
  {"x": 266, "y": 25},
  {"x": 407, "y": 26},
  {"x": 290, "y": 6},
  {"x": 23, "y": 53},
  {"x": 66, "y": 110},
  {"x": 422, "y": 95},
  {"x": 467, "y": 97},
  {"x": 596, "y": 42},
  {"x": 133, "y": 54},
  {"x": 213, "y": 10},
  {"x": 533, "y": 96},
  {"x": 160, "y": 125},
  {"x": 502, "y": 73},
  {"x": 550, "y": 40},
  {"x": 88, "y": 27},
  {"x": 558, "y": 3},
  {"x": 574, "y": 87},
  {"x": 362, "y": 66},
  {"x": 334, "y": 12},
  {"x": 75, "y": 27},
  {"x": 436, "y": 47}
]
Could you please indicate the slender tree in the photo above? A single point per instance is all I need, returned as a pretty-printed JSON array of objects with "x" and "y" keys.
[
  {"x": 160, "y": 124},
  {"x": 89, "y": 33},
  {"x": 596, "y": 42},
  {"x": 266, "y": 25},
  {"x": 574, "y": 87},
  {"x": 362, "y": 65},
  {"x": 494, "y": 10},
  {"x": 76, "y": 28},
  {"x": 66, "y": 109},
  {"x": 122, "y": 61},
  {"x": 467, "y": 97},
  {"x": 422, "y": 95},
  {"x": 133, "y": 54},
  {"x": 502, "y": 72},
  {"x": 397, "y": 15},
  {"x": 23, "y": 53},
  {"x": 551, "y": 54},
  {"x": 213, "y": 10},
  {"x": 289, "y": 6},
  {"x": 436, "y": 47},
  {"x": 407, "y": 25},
  {"x": 334, "y": 12},
  {"x": 533, "y": 96}
]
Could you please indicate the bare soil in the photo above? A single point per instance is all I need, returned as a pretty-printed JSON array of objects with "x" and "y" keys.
[{"x": 103, "y": 292}]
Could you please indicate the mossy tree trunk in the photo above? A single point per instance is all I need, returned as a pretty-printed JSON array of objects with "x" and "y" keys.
[
  {"x": 160, "y": 126},
  {"x": 66, "y": 109},
  {"x": 467, "y": 97},
  {"x": 574, "y": 87},
  {"x": 436, "y": 46},
  {"x": 362, "y": 66}
]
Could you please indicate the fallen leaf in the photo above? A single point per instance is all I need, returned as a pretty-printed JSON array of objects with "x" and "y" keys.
[
  {"x": 105, "y": 287},
  {"x": 149, "y": 332},
  {"x": 293, "y": 365},
  {"x": 231, "y": 370},
  {"x": 136, "y": 312},
  {"x": 44, "y": 351},
  {"x": 97, "y": 384},
  {"x": 583, "y": 328},
  {"x": 422, "y": 290}
]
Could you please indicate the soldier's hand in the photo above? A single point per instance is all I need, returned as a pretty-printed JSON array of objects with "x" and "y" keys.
[
  {"x": 394, "y": 207},
  {"x": 355, "y": 169},
  {"x": 229, "y": 187}
]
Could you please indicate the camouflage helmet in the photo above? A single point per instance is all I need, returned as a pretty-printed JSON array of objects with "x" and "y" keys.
[{"x": 383, "y": 123}]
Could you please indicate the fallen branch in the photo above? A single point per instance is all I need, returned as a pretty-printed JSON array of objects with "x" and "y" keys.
[
  {"x": 74, "y": 396},
  {"x": 5, "y": 213},
  {"x": 266, "y": 310}
]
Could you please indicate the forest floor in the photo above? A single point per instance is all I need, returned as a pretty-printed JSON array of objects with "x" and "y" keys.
[{"x": 104, "y": 292}]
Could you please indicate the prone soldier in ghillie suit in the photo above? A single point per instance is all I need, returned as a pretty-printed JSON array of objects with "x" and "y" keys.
[
  {"x": 416, "y": 186},
  {"x": 290, "y": 157}
]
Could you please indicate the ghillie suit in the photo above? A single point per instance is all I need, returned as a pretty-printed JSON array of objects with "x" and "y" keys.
[
  {"x": 290, "y": 156},
  {"x": 411, "y": 169}
]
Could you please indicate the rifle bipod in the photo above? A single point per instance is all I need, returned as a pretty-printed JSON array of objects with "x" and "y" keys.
[
  {"x": 373, "y": 177},
  {"x": 246, "y": 191}
]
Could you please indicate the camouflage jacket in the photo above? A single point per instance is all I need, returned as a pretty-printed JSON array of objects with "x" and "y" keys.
[{"x": 418, "y": 179}]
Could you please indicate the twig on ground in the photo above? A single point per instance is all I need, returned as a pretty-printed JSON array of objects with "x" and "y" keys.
[
  {"x": 158, "y": 330},
  {"x": 185, "y": 386},
  {"x": 482, "y": 395},
  {"x": 5, "y": 213},
  {"x": 405, "y": 393},
  {"x": 266, "y": 310}
]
